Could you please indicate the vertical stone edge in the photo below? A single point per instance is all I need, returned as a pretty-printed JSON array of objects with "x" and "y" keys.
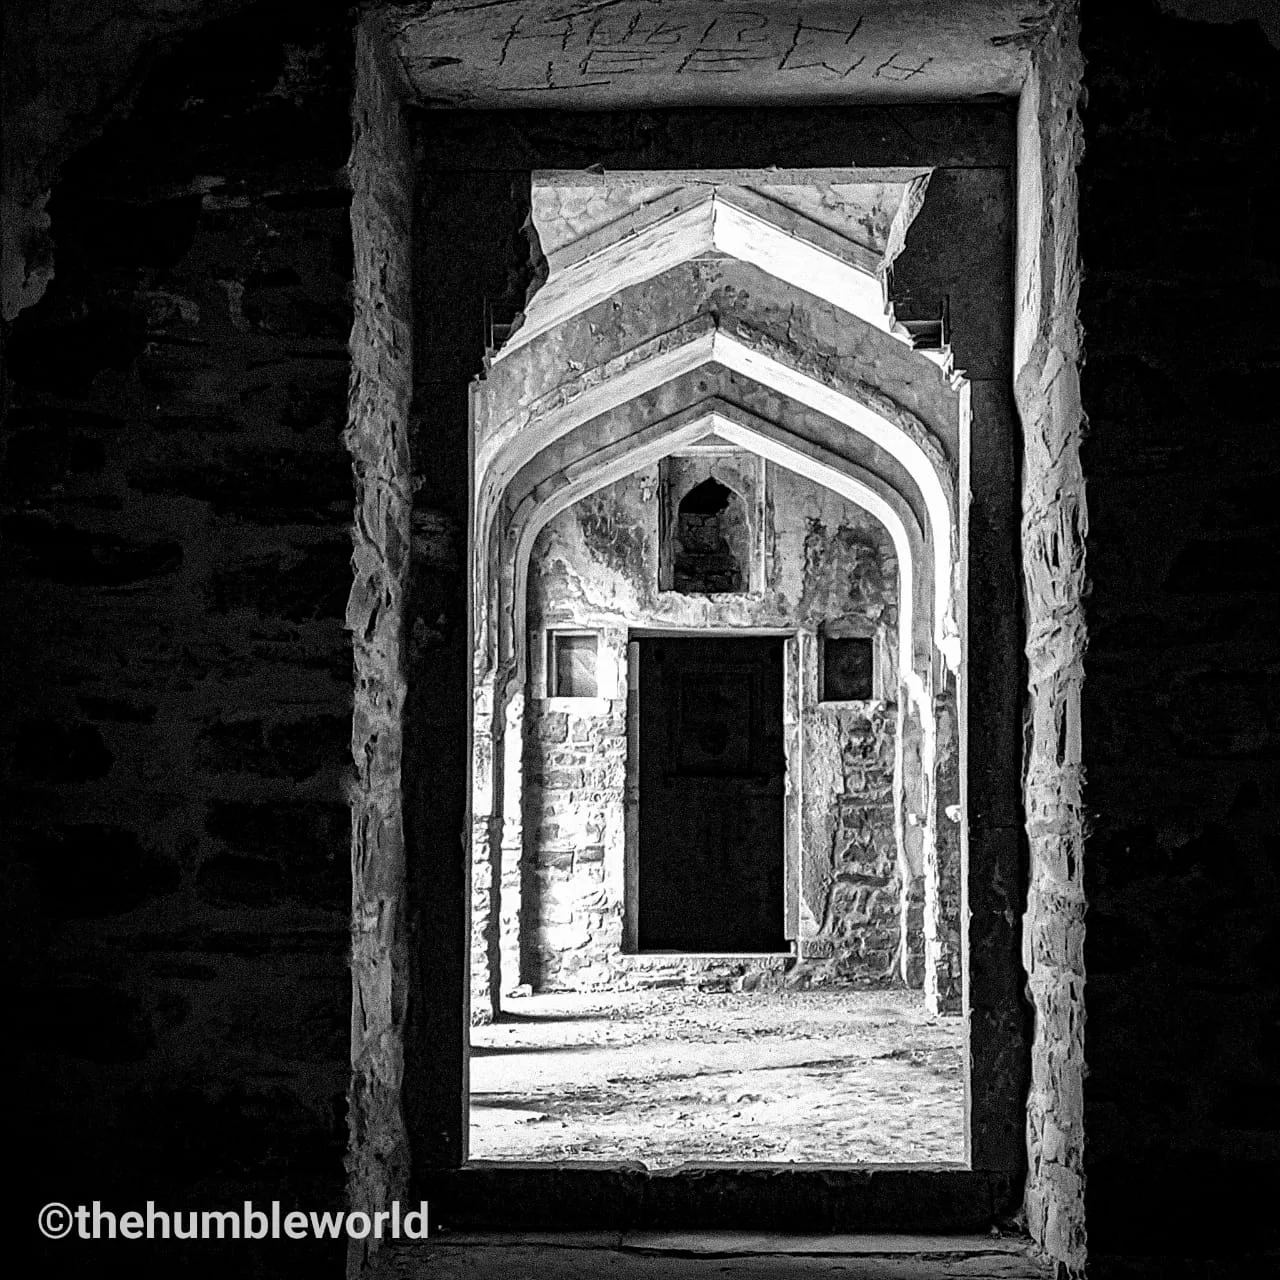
[
  {"x": 381, "y": 174},
  {"x": 1047, "y": 351}
]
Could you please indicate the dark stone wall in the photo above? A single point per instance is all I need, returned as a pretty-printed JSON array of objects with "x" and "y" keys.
[
  {"x": 175, "y": 726},
  {"x": 177, "y": 682},
  {"x": 1180, "y": 205}
]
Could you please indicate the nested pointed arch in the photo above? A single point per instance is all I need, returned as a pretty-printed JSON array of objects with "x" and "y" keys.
[
  {"x": 695, "y": 222},
  {"x": 542, "y": 423},
  {"x": 534, "y": 503}
]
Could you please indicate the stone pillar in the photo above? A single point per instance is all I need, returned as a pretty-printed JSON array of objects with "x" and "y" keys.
[
  {"x": 927, "y": 817},
  {"x": 909, "y": 830},
  {"x": 943, "y": 984},
  {"x": 487, "y": 760},
  {"x": 511, "y": 847}
]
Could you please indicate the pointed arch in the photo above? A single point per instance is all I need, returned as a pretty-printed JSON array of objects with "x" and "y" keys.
[
  {"x": 685, "y": 225},
  {"x": 518, "y": 440},
  {"x": 542, "y": 503}
]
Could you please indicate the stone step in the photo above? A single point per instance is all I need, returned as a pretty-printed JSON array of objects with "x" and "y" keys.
[{"x": 699, "y": 1255}]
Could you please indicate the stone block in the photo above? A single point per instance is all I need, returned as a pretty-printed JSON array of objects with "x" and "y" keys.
[
  {"x": 79, "y": 557},
  {"x": 270, "y": 486},
  {"x": 90, "y": 1021},
  {"x": 552, "y": 727},
  {"x": 116, "y": 710},
  {"x": 308, "y": 840},
  {"x": 294, "y": 749},
  {"x": 93, "y": 869},
  {"x": 231, "y": 880},
  {"x": 49, "y": 751}
]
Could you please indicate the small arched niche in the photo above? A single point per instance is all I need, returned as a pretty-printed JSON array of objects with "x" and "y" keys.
[
  {"x": 709, "y": 556},
  {"x": 710, "y": 528}
]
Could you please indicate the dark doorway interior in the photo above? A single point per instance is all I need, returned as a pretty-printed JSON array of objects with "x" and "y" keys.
[{"x": 712, "y": 780}]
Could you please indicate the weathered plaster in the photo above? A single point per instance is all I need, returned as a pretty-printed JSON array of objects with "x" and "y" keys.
[
  {"x": 520, "y": 438},
  {"x": 623, "y": 336},
  {"x": 597, "y": 565},
  {"x": 717, "y": 419}
]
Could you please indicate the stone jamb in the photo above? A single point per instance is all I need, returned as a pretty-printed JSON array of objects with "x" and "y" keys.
[
  {"x": 1047, "y": 357},
  {"x": 383, "y": 182}
]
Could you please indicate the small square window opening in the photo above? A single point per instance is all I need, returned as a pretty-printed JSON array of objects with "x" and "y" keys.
[{"x": 573, "y": 666}]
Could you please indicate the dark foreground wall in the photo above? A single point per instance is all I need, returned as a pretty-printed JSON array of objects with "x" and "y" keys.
[
  {"x": 176, "y": 717},
  {"x": 1180, "y": 209},
  {"x": 173, "y": 726}
]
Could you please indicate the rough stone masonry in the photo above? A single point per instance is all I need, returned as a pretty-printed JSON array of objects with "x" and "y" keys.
[{"x": 176, "y": 525}]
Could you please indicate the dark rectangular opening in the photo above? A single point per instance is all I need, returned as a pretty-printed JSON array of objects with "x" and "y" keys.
[
  {"x": 848, "y": 668},
  {"x": 712, "y": 774}
]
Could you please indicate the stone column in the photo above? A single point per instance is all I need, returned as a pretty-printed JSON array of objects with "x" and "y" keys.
[
  {"x": 510, "y": 906},
  {"x": 943, "y": 986}
]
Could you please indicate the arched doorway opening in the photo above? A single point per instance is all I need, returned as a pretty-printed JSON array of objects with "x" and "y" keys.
[{"x": 653, "y": 804}]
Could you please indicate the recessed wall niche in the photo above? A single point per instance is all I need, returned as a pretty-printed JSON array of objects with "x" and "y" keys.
[
  {"x": 711, "y": 523},
  {"x": 848, "y": 668}
]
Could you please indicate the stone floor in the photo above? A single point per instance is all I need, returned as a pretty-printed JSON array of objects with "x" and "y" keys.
[{"x": 679, "y": 1075}]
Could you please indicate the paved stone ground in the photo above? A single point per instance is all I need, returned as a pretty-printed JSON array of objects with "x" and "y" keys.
[{"x": 676, "y": 1075}]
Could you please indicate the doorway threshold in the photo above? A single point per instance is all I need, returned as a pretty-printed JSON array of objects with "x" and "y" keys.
[{"x": 704, "y": 1255}]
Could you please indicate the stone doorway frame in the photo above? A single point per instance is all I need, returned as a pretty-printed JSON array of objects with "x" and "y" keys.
[{"x": 395, "y": 1109}]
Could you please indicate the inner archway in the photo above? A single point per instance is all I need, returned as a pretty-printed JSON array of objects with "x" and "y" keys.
[{"x": 705, "y": 809}]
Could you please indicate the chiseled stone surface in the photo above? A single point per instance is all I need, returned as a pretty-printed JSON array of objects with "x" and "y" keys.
[
  {"x": 495, "y": 55},
  {"x": 1054, "y": 522},
  {"x": 382, "y": 183}
]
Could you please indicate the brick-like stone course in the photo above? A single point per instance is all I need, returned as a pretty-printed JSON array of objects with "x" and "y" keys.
[
  {"x": 575, "y": 778},
  {"x": 862, "y": 911},
  {"x": 174, "y": 505}
]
